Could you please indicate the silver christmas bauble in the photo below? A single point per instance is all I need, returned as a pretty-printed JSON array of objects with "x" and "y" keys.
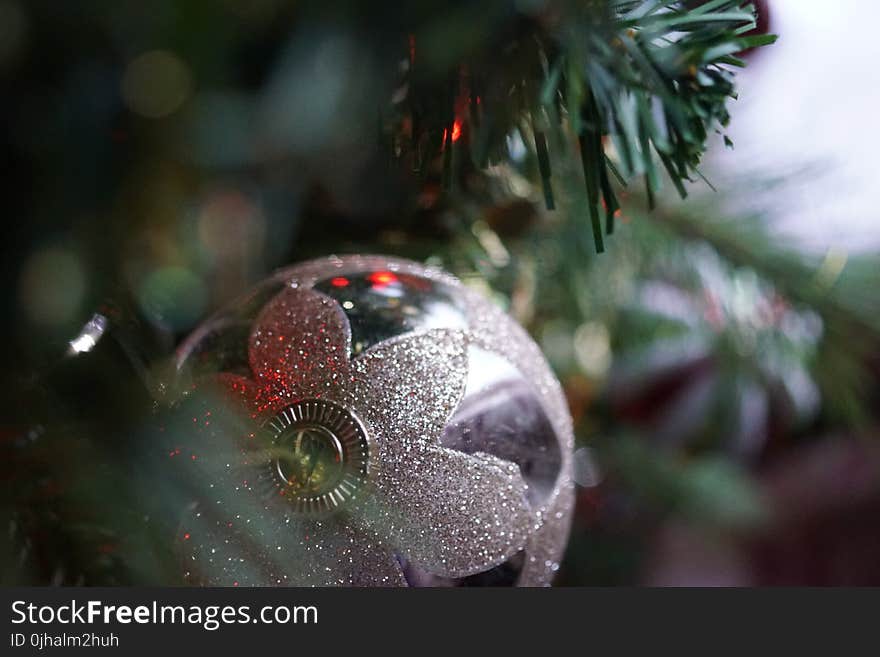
[{"x": 366, "y": 421}]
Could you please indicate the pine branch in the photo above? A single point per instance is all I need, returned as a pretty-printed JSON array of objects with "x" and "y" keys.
[
  {"x": 636, "y": 84},
  {"x": 831, "y": 286}
]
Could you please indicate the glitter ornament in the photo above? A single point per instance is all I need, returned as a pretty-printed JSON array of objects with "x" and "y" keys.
[{"x": 370, "y": 421}]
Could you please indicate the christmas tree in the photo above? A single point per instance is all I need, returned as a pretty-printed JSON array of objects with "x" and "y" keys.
[{"x": 161, "y": 159}]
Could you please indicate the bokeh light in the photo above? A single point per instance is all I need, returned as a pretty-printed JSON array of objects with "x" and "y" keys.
[
  {"x": 156, "y": 84},
  {"x": 173, "y": 295},
  {"x": 52, "y": 286}
]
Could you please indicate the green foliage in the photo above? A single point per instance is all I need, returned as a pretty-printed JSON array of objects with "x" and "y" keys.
[{"x": 640, "y": 85}]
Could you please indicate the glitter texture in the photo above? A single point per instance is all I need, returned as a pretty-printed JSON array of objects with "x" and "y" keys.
[{"x": 449, "y": 513}]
